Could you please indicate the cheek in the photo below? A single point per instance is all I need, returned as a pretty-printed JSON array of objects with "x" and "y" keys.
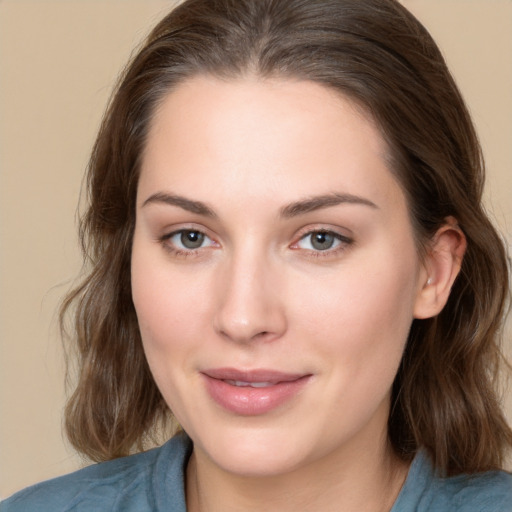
[
  {"x": 362, "y": 317},
  {"x": 169, "y": 315},
  {"x": 167, "y": 306}
]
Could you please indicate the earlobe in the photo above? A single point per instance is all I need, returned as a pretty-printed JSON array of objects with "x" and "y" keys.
[{"x": 441, "y": 267}]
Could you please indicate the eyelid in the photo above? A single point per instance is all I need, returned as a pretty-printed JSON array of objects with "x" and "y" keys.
[
  {"x": 165, "y": 240},
  {"x": 170, "y": 230},
  {"x": 342, "y": 233},
  {"x": 174, "y": 234},
  {"x": 345, "y": 240}
]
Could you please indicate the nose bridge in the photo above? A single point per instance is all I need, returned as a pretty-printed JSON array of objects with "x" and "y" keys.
[{"x": 249, "y": 303}]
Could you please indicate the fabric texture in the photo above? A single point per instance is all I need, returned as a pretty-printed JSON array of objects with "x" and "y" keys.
[{"x": 153, "y": 481}]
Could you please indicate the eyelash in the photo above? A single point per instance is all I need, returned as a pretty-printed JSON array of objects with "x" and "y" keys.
[
  {"x": 169, "y": 246},
  {"x": 342, "y": 243}
]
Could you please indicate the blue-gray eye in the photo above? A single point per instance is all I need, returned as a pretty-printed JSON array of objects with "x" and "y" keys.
[
  {"x": 320, "y": 241},
  {"x": 188, "y": 239}
]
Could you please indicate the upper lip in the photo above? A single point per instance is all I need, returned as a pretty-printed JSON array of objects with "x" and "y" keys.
[{"x": 256, "y": 375}]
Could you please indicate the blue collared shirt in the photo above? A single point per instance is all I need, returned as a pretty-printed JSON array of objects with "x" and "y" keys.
[{"x": 153, "y": 481}]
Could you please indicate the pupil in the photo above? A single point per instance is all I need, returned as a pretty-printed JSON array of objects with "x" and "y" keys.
[
  {"x": 192, "y": 239},
  {"x": 322, "y": 241}
]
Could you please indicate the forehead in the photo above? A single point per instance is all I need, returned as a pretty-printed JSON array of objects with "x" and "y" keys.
[{"x": 255, "y": 137}]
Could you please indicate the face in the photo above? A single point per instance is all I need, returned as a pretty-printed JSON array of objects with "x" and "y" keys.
[{"x": 274, "y": 272}]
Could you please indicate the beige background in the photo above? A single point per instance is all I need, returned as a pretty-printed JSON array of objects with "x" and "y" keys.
[{"x": 58, "y": 62}]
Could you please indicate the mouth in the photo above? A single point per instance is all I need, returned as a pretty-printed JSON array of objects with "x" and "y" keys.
[
  {"x": 253, "y": 392},
  {"x": 243, "y": 384}
]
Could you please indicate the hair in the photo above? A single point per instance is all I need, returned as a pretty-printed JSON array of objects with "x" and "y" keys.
[{"x": 374, "y": 52}]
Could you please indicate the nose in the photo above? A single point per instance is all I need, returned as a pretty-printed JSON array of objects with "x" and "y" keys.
[{"x": 250, "y": 304}]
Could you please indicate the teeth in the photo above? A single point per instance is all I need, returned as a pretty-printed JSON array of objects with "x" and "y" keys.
[{"x": 243, "y": 384}]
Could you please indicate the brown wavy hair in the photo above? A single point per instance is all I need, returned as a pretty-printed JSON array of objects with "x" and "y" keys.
[{"x": 375, "y": 52}]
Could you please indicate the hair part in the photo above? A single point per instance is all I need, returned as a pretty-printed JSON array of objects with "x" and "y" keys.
[{"x": 377, "y": 54}]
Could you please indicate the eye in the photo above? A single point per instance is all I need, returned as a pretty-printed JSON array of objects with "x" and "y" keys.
[
  {"x": 188, "y": 240},
  {"x": 322, "y": 241}
]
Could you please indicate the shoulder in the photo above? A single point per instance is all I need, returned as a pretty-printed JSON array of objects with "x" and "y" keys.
[
  {"x": 125, "y": 484},
  {"x": 424, "y": 491},
  {"x": 484, "y": 492}
]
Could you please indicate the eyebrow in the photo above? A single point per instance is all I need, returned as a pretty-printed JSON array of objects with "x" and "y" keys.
[
  {"x": 197, "y": 207},
  {"x": 292, "y": 210},
  {"x": 324, "y": 201}
]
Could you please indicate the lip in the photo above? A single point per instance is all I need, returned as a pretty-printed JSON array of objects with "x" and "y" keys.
[{"x": 243, "y": 399}]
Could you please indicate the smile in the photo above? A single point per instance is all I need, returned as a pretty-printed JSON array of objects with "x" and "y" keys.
[
  {"x": 242, "y": 384},
  {"x": 252, "y": 393}
]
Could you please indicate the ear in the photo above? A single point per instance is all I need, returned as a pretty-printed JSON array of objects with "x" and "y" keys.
[{"x": 441, "y": 267}]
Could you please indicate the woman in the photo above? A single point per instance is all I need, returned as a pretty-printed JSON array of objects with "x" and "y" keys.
[{"x": 288, "y": 251}]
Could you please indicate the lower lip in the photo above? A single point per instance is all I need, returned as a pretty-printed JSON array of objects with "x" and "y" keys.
[{"x": 249, "y": 401}]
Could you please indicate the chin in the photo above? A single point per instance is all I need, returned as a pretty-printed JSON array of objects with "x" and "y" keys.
[
  {"x": 256, "y": 452},
  {"x": 256, "y": 461}
]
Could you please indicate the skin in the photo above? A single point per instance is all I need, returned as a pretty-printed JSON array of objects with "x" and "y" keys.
[{"x": 258, "y": 294}]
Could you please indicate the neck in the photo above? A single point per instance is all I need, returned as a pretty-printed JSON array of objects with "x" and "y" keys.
[{"x": 367, "y": 479}]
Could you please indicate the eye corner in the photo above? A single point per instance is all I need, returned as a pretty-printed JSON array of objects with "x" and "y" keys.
[
  {"x": 321, "y": 242},
  {"x": 187, "y": 241}
]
